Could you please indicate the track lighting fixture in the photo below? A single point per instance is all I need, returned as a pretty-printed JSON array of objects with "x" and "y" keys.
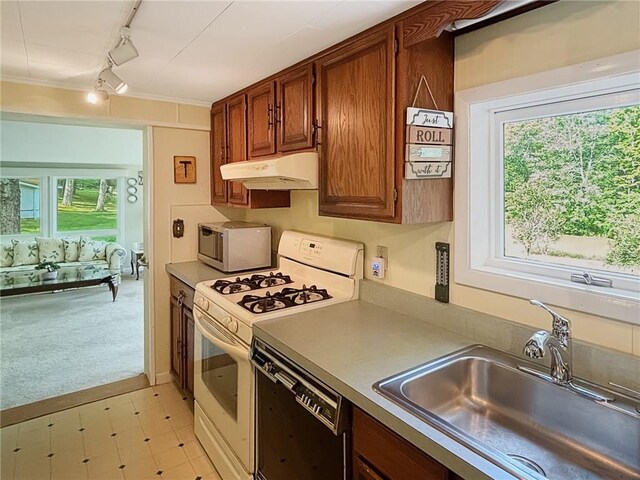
[
  {"x": 124, "y": 51},
  {"x": 114, "y": 81},
  {"x": 98, "y": 93}
]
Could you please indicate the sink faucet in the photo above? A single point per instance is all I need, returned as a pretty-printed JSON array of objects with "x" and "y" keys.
[{"x": 558, "y": 342}]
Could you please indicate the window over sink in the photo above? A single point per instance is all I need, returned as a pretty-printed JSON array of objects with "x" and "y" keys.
[{"x": 548, "y": 197}]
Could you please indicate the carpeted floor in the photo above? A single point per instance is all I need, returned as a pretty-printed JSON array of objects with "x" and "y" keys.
[{"x": 57, "y": 343}]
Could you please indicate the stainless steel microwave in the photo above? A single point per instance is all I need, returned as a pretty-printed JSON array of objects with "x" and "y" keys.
[{"x": 234, "y": 246}]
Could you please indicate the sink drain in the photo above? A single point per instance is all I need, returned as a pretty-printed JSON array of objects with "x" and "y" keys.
[{"x": 528, "y": 463}]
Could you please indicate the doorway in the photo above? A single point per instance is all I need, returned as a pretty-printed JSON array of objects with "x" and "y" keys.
[{"x": 78, "y": 190}]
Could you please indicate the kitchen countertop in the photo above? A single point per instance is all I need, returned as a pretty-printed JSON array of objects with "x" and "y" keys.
[
  {"x": 352, "y": 345},
  {"x": 192, "y": 273}
]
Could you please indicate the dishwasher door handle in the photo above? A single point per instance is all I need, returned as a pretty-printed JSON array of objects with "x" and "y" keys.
[{"x": 286, "y": 380}]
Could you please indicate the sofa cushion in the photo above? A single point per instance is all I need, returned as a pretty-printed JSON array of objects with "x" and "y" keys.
[
  {"x": 91, "y": 250},
  {"x": 50, "y": 250},
  {"x": 25, "y": 253},
  {"x": 6, "y": 254},
  {"x": 71, "y": 249}
]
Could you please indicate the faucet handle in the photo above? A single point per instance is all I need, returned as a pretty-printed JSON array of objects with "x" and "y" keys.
[
  {"x": 560, "y": 326},
  {"x": 534, "y": 348}
]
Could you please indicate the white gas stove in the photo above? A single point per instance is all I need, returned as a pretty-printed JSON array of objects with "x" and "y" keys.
[{"x": 312, "y": 272}]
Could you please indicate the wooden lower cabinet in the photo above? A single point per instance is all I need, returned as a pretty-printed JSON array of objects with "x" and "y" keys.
[
  {"x": 380, "y": 454},
  {"x": 182, "y": 335}
]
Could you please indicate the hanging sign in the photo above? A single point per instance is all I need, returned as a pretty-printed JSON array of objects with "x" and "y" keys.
[
  {"x": 427, "y": 135},
  {"x": 429, "y": 118},
  {"x": 428, "y": 138}
]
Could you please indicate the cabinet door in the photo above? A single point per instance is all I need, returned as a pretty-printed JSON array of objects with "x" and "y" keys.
[
  {"x": 218, "y": 153},
  {"x": 294, "y": 110},
  {"x": 176, "y": 340},
  {"x": 237, "y": 144},
  {"x": 355, "y": 109},
  {"x": 189, "y": 336},
  {"x": 388, "y": 455},
  {"x": 363, "y": 471},
  {"x": 261, "y": 120}
]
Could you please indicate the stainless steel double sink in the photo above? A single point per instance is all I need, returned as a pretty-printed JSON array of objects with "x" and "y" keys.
[{"x": 529, "y": 427}]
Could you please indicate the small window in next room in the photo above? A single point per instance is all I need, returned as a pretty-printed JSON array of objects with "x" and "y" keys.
[
  {"x": 548, "y": 188},
  {"x": 20, "y": 211},
  {"x": 89, "y": 206}
]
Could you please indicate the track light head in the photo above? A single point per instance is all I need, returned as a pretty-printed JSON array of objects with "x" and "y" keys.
[
  {"x": 114, "y": 81},
  {"x": 97, "y": 95},
  {"x": 124, "y": 52}
]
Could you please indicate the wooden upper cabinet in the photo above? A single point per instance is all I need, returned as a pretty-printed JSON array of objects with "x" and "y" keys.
[
  {"x": 261, "y": 120},
  {"x": 355, "y": 109},
  {"x": 294, "y": 110},
  {"x": 218, "y": 153},
  {"x": 237, "y": 144}
]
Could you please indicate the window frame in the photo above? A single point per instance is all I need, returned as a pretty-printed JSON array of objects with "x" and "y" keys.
[{"x": 479, "y": 249}]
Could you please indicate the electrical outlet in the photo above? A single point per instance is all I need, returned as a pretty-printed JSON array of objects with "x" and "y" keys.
[
  {"x": 379, "y": 262},
  {"x": 378, "y": 267}
]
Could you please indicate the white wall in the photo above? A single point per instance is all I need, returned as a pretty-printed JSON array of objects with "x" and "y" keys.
[{"x": 37, "y": 143}]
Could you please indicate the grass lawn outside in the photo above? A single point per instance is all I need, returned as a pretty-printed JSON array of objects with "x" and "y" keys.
[{"x": 82, "y": 214}]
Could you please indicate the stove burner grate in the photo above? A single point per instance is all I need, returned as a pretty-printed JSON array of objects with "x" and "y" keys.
[
  {"x": 254, "y": 282},
  {"x": 288, "y": 297}
]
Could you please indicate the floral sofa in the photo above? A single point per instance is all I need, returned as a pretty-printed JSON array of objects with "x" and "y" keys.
[{"x": 21, "y": 256}]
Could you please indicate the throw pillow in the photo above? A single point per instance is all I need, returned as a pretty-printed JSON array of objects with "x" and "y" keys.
[
  {"x": 6, "y": 255},
  {"x": 50, "y": 249},
  {"x": 25, "y": 253},
  {"x": 71, "y": 249},
  {"x": 92, "y": 250}
]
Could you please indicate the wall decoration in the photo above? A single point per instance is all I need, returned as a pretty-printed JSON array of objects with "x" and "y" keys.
[
  {"x": 132, "y": 198},
  {"x": 132, "y": 182},
  {"x": 184, "y": 169},
  {"x": 429, "y": 139}
]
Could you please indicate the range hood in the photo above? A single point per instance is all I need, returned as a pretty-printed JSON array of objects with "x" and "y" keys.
[{"x": 298, "y": 171}]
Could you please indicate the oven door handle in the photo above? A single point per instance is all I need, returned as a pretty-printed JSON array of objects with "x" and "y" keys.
[{"x": 209, "y": 332}]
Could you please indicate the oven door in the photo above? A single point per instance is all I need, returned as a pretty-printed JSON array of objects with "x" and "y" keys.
[{"x": 223, "y": 385}]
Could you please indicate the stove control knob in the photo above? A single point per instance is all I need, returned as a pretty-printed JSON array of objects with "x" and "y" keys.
[
  {"x": 233, "y": 326},
  {"x": 317, "y": 409},
  {"x": 269, "y": 367},
  {"x": 204, "y": 303}
]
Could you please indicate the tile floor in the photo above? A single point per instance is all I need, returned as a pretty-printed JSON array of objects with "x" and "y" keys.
[{"x": 146, "y": 434}]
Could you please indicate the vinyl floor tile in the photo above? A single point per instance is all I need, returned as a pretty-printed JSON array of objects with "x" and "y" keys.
[{"x": 79, "y": 444}]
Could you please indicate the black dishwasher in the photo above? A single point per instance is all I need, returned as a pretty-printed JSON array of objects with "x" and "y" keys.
[{"x": 300, "y": 422}]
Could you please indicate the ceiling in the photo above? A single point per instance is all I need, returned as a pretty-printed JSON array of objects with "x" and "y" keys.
[{"x": 195, "y": 51}]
